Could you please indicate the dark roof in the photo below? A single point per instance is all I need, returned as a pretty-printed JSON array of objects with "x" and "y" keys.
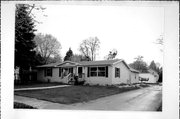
[
  {"x": 133, "y": 70},
  {"x": 49, "y": 65},
  {"x": 100, "y": 62},
  {"x": 83, "y": 63}
]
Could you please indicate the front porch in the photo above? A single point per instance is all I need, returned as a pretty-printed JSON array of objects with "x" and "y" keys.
[{"x": 71, "y": 73}]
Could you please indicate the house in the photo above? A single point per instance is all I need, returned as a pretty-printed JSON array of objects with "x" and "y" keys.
[
  {"x": 151, "y": 77},
  {"x": 103, "y": 72},
  {"x": 134, "y": 75}
]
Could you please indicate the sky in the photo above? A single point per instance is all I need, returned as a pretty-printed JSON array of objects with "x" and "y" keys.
[{"x": 130, "y": 30}]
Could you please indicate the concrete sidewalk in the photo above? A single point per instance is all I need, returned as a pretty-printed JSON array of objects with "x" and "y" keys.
[{"x": 39, "y": 88}]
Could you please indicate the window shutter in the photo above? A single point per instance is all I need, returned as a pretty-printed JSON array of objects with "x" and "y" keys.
[
  {"x": 106, "y": 71},
  {"x": 119, "y": 72},
  {"x": 51, "y": 72},
  {"x": 44, "y": 72},
  {"x": 115, "y": 72},
  {"x": 59, "y": 71},
  {"x": 88, "y": 72}
]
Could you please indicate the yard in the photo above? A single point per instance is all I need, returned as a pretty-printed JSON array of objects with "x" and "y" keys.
[{"x": 73, "y": 94}]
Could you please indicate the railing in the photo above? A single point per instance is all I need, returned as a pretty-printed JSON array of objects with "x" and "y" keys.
[
  {"x": 70, "y": 76},
  {"x": 81, "y": 76}
]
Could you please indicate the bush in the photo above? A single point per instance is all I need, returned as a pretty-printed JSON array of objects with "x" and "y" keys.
[{"x": 22, "y": 106}]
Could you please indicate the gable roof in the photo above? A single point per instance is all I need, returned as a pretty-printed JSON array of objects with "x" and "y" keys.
[
  {"x": 100, "y": 62},
  {"x": 82, "y": 63},
  {"x": 48, "y": 65},
  {"x": 133, "y": 70},
  {"x": 88, "y": 63},
  {"x": 59, "y": 64}
]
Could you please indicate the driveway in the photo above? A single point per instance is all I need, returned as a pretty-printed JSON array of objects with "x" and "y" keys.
[{"x": 145, "y": 99}]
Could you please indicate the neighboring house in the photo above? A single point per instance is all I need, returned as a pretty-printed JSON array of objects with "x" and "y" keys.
[
  {"x": 152, "y": 76},
  {"x": 104, "y": 72},
  {"x": 134, "y": 75}
]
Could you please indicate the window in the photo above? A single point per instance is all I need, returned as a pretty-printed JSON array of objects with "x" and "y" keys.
[
  {"x": 98, "y": 71},
  {"x": 117, "y": 72},
  {"x": 101, "y": 71},
  {"x": 48, "y": 72},
  {"x": 93, "y": 71},
  {"x": 60, "y": 71}
]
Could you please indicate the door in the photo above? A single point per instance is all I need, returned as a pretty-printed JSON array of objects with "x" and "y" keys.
[
  {"x": 80, "y": 72},
  {"x": 71, "y": 70}
]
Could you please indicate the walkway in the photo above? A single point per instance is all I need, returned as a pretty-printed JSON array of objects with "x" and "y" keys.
[{"x": 39, "y": 88}]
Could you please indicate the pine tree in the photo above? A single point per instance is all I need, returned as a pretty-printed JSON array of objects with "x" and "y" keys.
[
  {"x": 153, "y": 66},
  {"x": 69, "y": 55},
  {"x": 24, "y": 35}
]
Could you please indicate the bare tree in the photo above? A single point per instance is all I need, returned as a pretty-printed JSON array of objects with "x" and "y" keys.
[
  {"x": 89, "y": 47},
  {"x": 47, "y": 46},
  {"x": 160, "y": 41}
]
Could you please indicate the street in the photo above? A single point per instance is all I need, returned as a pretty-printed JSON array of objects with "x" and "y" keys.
[{"x": 145, "y": 99}]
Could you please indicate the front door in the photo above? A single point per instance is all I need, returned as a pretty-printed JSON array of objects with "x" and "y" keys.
[
  {"x": 71, "y": 70},
  {"x": 80, "y": 72}
]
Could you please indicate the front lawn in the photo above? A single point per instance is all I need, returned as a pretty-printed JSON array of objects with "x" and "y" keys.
[
  {"x": 73, "y": 94},
  {"x": 34, "y": 85}
]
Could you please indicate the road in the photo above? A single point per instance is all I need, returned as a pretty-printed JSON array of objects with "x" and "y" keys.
[{"x": 145, "y": 99}]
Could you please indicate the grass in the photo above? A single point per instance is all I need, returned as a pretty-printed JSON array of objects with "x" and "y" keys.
[
  {"x": 22, "y": 106},
  {"x": 73, "y": 94},
  {"x": 33, "y": 85}
]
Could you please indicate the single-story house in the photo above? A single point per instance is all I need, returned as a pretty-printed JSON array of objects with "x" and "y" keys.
[
  {"x": 104, "y": 72},
  {"x": 152, "y": 76}
]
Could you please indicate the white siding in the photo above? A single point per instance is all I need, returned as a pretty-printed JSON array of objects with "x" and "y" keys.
[
  {"x": 55, "y": 76},
  {"x": 99, "y": 80},
  {"x": 124, "y": 74},
  {"x": 134, "y": 77},
  {"x": 151, "y": 77}
]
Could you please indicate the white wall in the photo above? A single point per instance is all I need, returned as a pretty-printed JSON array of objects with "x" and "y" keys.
[
  {"x": 124, "y": 74},
  {"x": 134, "y": 77},
  {"x": 99, "y": 80},
  {"x": 151, "y": 77},
  {"x": 55, "y": 76}
]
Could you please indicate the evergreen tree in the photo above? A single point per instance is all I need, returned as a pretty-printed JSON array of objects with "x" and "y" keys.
[
  {"x": 24, "y": 35},
  {"x": 69, "y": 55},
  {"x": 152, "y": 66}
]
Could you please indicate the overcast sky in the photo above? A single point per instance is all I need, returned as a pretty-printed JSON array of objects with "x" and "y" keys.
[{"x": 130, "y": 30}]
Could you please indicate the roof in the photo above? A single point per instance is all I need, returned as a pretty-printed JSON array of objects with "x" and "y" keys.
[
  {"x": 100, "y": 62},
  {"x": 49, "y": 65},
  {"x": 133, "y": 70},
  {"x": 83, "y": 63}
]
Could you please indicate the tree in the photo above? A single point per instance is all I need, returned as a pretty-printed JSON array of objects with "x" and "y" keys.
[
  {"x": 160, "y": 75},
  {"x": 47, "y": 46},
  {"x": 154, "y": 66},
  {"x": 55, "y": 59},
  {"x": 139, "y": 64},
  {"x": 79, "y": 58},
  {"x": 112, "y": 54},
  {"x": 89, "y": 47},
  {"x": 160, "y": 41},
  {"x": 24, "y": 35},
  {"x": 69, "y": 55}
]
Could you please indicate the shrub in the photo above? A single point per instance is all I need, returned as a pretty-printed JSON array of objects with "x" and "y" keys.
[{"x": 22, "y": 106}]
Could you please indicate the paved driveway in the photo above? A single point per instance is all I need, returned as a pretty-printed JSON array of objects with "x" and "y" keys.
[{"x": 145, "y": 99}]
